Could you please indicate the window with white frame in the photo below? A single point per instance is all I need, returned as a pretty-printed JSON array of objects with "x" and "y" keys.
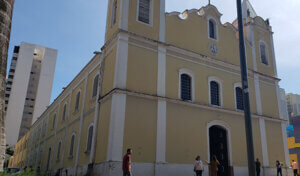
[
  {"x": 186, "y": 87},
  {"x": 95, "y": 86},
  {"x": 144, "y": 11},
  {"x": 77, "y": 101},
  {"x": 89, "y": 138},
  {"x": 58, "y": 151},
  {"x": 239, "y": 98},
  {"x": 71, "y": 151},
  {"x": 114, "y": 13},
  {"x": 263, "y": 53},
  {"x": 215, "y": 93}
]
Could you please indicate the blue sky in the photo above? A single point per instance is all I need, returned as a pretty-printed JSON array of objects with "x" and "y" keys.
[{"x": 77, "y": 27}]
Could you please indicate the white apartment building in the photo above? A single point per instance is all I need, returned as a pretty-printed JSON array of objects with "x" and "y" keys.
[
  {"x": 293, "y": 104},
  {"x": 28, "y": 90},
  {"x": 283, "y": 105}
]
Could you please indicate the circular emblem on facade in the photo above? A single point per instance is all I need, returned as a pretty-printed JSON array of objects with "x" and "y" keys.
[{"x": 213, "y": 48}]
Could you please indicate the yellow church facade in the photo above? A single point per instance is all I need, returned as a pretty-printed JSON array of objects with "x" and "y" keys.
[{"x": 168, "y": 86}]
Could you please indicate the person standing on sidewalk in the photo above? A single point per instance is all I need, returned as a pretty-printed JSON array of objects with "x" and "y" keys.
[
  {"x": 198, "y": 166},
  {"x": 279, "y": 166},
  {"x": 257, "y": 166},
  {"x": 127, "y": 163},
  {"x": 295, "y": 167}
]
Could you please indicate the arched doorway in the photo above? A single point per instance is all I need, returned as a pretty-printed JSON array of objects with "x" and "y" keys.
[{"x": 218, "y": 146}]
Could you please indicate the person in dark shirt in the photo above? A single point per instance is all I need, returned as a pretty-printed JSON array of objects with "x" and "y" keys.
[
  {"x": 257, "y": 166},
  {"x": 278, "y": 166},
  {"x": 127, "y": 163}
]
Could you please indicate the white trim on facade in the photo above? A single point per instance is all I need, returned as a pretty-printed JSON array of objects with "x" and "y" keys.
[
  {"x": 81, "y": 119},
  {"x": 257, "y": 95},
  {"x": 239, "y": 84},
  {"x": 279, "y": 101},
  {"x": 124, "y": 14},
  {"x": 211, "y": 18},
  {"x": 273, "y": 54},
  {"x": 120, "y": 76},
  {"x": 264, "y": 146},
  {"x": 161, "y": 75},
  {"x": 161, "y": 131},
  {"x": 227, "y": 128},
  {"x": 116, "y": 127},
  {"x": 285, "y": 145},
  {"x": 162, "y": 21},
  {"x": 191, "y": 74},
  {"x": 150, "y": 15},
  {"x": 219, "y": 81},
  {"x": 253, "y": 48}
]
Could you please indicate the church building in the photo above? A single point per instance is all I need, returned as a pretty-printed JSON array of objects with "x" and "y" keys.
[{"x": 168, "y": 86}]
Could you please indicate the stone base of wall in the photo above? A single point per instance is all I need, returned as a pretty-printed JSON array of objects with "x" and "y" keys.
[{"x": 161, "y": 169}]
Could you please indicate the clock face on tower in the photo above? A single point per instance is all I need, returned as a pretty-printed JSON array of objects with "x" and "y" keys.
[{"x": 213, "y": 48}]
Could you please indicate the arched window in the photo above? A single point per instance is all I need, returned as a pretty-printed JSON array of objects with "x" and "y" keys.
[
  {"x": 64, "y": 112},
  {"x": 72, "y": 145},
  {"x": 263, "y": 53},
  {"x": 114, "y": 13},
  {"x": 95, "y": 86},
  {"x": 53, "y": 123},
  {"x": 185, "y": 87},
  {"x": 214, "y": 93},
  {"x": 89, "y": 138},
  {"x": 239, "y": 98},
  {"x": 58, "y": 151},
  {"x": 77, "y": 101},
  {"x": 212, "y": 29},
  {"x": 144, "y": 13}
]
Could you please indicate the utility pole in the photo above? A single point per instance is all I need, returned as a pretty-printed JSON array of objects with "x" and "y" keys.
[
  {"x": 6, "y": 10},
  {"x": 244, "y": 75}
]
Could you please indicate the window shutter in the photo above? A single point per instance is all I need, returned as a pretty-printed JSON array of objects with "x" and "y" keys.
[
  {"x": 186, "y": 85},
  {"x": 239, "y": 98},
  {"x": 214, "y": 93},
  {"x": 144, "y": 11}
]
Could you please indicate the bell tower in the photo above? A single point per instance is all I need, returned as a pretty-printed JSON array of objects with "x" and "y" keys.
[{"x": 141, "y": 17}]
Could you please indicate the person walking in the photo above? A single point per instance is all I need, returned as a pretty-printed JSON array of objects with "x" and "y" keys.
[
  {"x": 198, "y": 166},
  {"x": 257, "y": 167},
  {"x": 295, "y": 167},
  {"x": 279, "y": 168},
  {"x": 127, "y": 163},
  {"x": 213, "y": 166}
]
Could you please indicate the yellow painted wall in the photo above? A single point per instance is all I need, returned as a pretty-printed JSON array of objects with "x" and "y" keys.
[
  {"x": 110, "y": 30},
  {"x": 274, "y": 138},
  {"x": 103, "y": 131},
  {"x": 73, "y": 128},
  {"x": 140, "y": 129},
  {"x": 201, "y": 76},
  {"x": 62, "y": 123},
  {"x": 187, "y": 130},
  {"x": 269, "y": 100},
  {"x": 90, "y": 101},
  {"x": 84, "y": 156},
  {"x": 142, "y": 70},
  {"x": 261, "y": 34},
  {"x": 192, "y": 34},
  {"x": 76, "y": 113},
  {"x": 150, "y": 31},
  {"x": 109, "y": 71}
]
